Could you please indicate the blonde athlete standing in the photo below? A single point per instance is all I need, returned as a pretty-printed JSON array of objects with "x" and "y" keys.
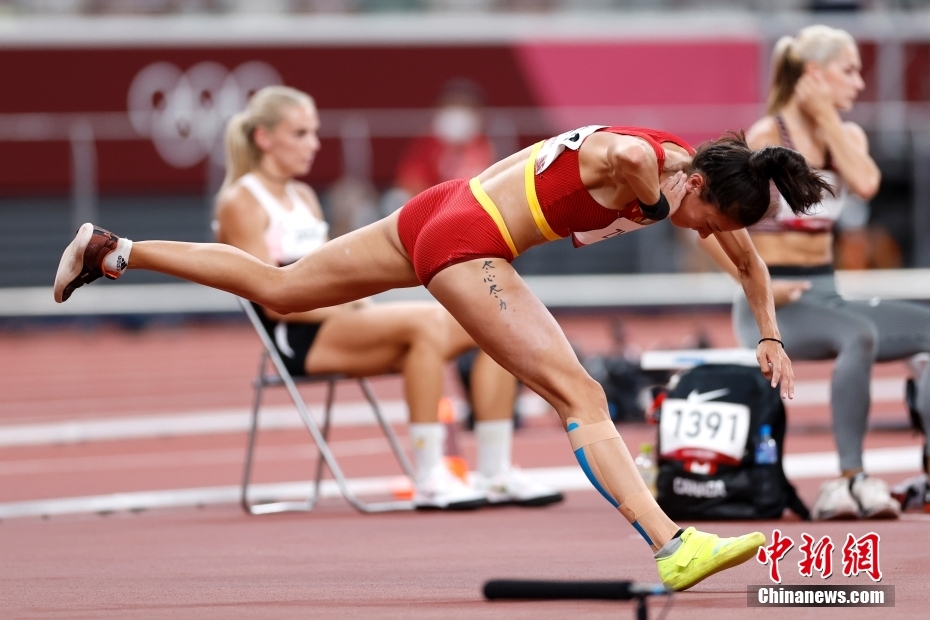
[{"x": 458, "y": 239}]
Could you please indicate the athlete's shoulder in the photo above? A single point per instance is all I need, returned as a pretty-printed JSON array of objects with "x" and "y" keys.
[
  {"x": 236, "y": 203},
  {"x": 764, "y": 132},
  {"x": 235, "y": 196}
]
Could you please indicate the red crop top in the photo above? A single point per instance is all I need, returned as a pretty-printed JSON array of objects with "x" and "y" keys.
[{"x": 567, "y": 205}]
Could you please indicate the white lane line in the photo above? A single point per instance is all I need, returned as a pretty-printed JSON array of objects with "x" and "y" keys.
[
  {"x": 797, "y": 466},
  {"x": 222, "y": 421},
  {"x": 877, "y": 461},
  {"x": 190, "y": 458},
  {"x": 344, "y": 414},
  {"x": 194, "y": 423}
]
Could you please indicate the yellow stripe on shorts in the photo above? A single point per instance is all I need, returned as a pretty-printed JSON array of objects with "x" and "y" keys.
[{"x": 488, "y": 205}]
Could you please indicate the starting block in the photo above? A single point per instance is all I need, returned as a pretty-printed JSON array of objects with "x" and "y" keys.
[{"x": 529, "y": 589}]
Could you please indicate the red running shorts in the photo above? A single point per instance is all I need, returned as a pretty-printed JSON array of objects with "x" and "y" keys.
[{"x": 446, "y": 225}]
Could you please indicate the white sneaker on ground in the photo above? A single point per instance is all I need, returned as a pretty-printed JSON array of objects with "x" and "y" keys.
[
  {"x": 835, "y": 502},
  {"x": 443, "y": 490},
  {"x": 512, "y": 486},
  {"x": 874, "y": 498}
]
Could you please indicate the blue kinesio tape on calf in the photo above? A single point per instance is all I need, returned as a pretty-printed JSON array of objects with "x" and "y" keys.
[
  {"x": 642, "y": 532},
  {"x": 583, "y": 461},
  {"x": 586, "y": 468}
]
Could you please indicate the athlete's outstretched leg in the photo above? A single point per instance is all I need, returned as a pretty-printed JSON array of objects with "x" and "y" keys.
[
  {"x": 491, "y": 301},
  {"x": 365, "y": 262}
]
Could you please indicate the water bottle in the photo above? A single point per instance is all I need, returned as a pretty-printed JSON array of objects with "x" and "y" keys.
[
  {"x": 766, "y": 448},
  {"x": 646, "y": 466}
]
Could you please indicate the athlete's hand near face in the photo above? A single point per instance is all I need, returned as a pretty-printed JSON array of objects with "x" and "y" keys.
[
  {"x": 674, "y": 190},
  {"x": 814, "y": 95}
]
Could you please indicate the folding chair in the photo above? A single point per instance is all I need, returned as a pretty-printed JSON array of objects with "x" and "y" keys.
[{"x": 283, "y": 378}]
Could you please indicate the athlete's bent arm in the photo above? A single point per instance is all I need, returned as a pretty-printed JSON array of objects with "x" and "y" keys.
[
  {"x": 753, "y": 276},
  {"x": 633, "y": 163}
]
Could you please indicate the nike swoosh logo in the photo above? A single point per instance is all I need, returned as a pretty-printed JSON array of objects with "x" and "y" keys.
[{"x": 697, "y": 397}]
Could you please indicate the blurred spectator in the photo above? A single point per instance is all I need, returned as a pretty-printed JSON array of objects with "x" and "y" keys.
[
  {"x": 457, "y": 147},
  {"x": 352, "y": 201}
]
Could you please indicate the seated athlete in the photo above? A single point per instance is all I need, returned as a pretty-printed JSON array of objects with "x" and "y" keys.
[
  {"x": 459, "y": 238},
  {"x": 815, "y": 76},
  {"x": 261, "y": 209}
]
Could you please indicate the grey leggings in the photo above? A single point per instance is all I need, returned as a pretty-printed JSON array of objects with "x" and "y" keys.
[{"x": 823, "y": 325}]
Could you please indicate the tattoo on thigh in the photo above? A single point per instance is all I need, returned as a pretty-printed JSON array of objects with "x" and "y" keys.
[{"x": 493, "y": 289}]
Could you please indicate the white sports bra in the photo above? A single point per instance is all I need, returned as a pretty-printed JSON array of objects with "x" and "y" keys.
[
  {"x": 291, "y": 234},
  {"x": 822, "y": 217}
]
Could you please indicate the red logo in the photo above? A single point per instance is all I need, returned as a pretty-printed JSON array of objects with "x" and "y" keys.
[
  {"x": 861, "y": 556},
  {"x": 816, "y": 557},
  {"x": 775, "y": 552}
]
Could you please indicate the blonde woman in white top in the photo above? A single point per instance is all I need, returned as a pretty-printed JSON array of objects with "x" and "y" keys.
[{"x": 264, "y": 211}]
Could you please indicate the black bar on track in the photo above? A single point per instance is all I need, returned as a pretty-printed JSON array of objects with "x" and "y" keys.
[{"x": 523, "y": 589}]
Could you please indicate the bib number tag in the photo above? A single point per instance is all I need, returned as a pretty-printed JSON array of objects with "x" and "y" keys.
[
  {"x": 553, "y": 147},
  {"x": 703, "y": 431},
  {"x": 617, "y": 227},
  {"x": 299, "y": 241}
]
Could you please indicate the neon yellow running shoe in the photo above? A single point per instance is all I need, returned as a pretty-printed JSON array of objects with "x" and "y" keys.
[{"x": 701, "y": 555}]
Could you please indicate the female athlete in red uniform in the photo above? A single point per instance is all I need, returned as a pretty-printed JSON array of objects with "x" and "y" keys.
[{"x": 458, "y": 239}]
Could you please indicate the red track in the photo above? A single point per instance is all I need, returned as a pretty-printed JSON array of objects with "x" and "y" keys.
[{"x": 217, "y": 562}]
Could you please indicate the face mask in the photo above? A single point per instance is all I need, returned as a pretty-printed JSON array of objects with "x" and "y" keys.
[{"x": 456, "y": 124}]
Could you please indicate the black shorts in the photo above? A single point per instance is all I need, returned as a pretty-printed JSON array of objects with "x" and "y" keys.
[{"x": 292, "y": 340}]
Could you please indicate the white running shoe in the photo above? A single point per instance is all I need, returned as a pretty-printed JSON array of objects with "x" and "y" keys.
[
  {"x": 82, "y": 261},
  {"x": 443, "y": 490},
  {"x": 874, "y": 498},
  {"x": 835, "y": 502},
  {"x": 515, "y": 487}
]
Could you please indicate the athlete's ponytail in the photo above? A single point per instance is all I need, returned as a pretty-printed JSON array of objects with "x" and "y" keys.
[
  {"x": 238, "y": 148},
  {"x": 736, "y": 178},
  {"x": 787, "y": 69},
  {"x": 818, "y": 44},
  {"x": 265, "y": 109}
]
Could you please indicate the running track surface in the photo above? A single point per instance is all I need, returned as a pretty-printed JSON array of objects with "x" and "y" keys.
[{"x": 216, "y": 562}]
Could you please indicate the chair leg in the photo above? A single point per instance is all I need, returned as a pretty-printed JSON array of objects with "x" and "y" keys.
[
  {"x": 253, "y": 432},
  {"x": 388, "y": 431},
  {"x": 327, "y": 418},
  {"x": 311, "y": 425},
  {"x": 327, "y": 455}
]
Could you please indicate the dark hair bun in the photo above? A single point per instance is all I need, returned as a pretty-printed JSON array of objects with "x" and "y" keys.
[
  {"x": 737, "y": 178},
  {"x": 801, "y": 186}
]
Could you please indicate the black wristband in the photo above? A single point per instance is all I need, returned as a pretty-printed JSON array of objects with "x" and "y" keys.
[
  {"x": 658, "y": 211},
  {"x": 761, "y": 340}
]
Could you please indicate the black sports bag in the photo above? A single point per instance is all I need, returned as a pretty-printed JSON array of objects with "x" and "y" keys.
[{"x": 709, "y": 426}]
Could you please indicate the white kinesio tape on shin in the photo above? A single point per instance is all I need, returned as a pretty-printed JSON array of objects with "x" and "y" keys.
[{"x": 115, "y": 263}]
